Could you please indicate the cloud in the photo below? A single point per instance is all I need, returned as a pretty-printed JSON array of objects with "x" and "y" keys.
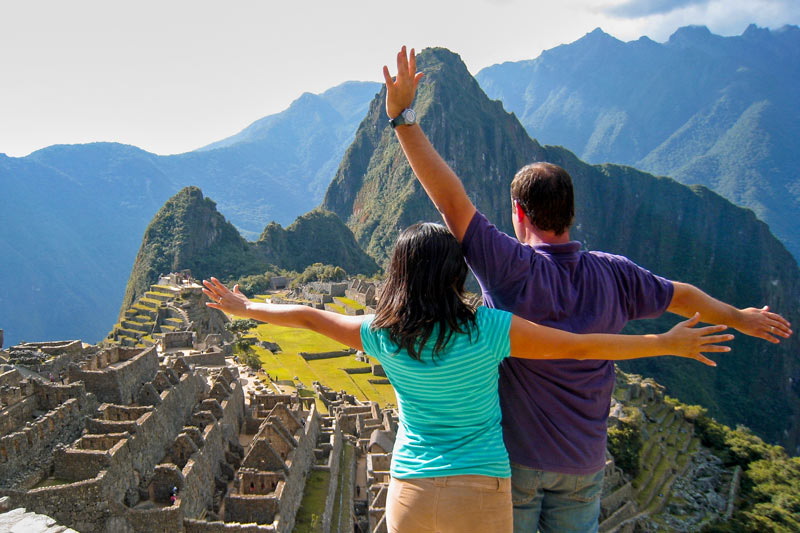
[{"x": 644, "y": 8}]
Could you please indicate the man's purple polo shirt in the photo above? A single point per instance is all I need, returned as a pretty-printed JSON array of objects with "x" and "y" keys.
[{"x": 555, "y": 412}]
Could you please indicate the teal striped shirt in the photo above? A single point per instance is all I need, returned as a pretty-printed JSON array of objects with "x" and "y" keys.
[{"x": 449, "y": 408}]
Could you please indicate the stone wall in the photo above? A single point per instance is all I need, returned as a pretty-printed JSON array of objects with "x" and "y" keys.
[
  {"x": 204, "y": 467},
  {"x": 27, "y": 452},
  {"x": 94, "y": 505},
  {"x": 212, "y": 358},
  {"x": 294, "y": 456},
  {"x": 119, "y": 383},
  {"x": 201, "y": 526},
  {"x": 333, "y": 466},
  {"x": 326, "y": 355}
]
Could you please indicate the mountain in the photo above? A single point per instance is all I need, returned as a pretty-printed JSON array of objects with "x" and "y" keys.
[
  {"x": 72, "y": 217},
  {"x": 704, "y": 109},
  {"x": 189, "y": 233},
  {"x": 279, "y": 166},
  {"x": 684, "y": 233},
  {"x": 319, "y": 236},
  {"x": 68, "y": 235}
]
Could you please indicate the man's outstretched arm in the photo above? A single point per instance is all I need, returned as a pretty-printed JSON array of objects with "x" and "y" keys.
[
  {"x": 444, "y": 188},
  {"x": 688, "y": 299}
]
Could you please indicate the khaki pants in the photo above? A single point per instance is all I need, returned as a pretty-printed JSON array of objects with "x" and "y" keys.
[{"x": 455, "y": 504}]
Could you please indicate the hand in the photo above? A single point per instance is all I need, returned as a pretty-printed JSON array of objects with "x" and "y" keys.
[
  {"x": 687, "y": 341},
  {"x": 233, "y": 302},
  {"x": 763, "y": 324},
  {"x": 401, "y": 90}
]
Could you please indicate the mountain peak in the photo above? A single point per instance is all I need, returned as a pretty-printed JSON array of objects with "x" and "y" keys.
[{"x": 690, "y": 35}]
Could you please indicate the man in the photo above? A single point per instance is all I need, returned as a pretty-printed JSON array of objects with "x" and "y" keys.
[{"x": 554, "y": 412}]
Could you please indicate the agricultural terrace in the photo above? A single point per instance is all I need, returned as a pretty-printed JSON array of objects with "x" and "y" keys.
[{"x": 330, "y": 372}]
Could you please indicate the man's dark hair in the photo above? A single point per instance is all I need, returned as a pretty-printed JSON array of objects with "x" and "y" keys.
[
  {"x": 424, "y": 291},
  {"x": 544, "y": 191}
]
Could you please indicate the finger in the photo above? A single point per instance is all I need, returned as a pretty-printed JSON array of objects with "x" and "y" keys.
[
  {"x": 703, "y": 359},
  {"x": 418, "y": 76},
  {"x": 769, "y": 338},
  {"x": 779, "y": 329},
  {"x": 217, "y": 285},
  {"x": 778, "y": 322},
  {"x": 211, "y": 294},
  {"x": 711, "y": 339},
  {"x": 715, "y": 328},
  {"x": 412, "y": 63},
  {"x": 402, "y": 65},
  {"x": 716, "y": 348},
  {"x": 387, "y": 77},
  {"x": 221, "y": 288},
  {"x": 236, "y": 289},
  {"x": 691, "y": 322}
]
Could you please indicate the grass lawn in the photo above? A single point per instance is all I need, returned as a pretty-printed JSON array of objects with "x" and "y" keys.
[
  {"x": 288, "y": 364},
  {"x": 309, "y": 516},
  {"x": 349, "y": 301}
]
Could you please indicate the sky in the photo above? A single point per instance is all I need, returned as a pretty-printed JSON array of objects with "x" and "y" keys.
[{"x": 170, "y": 76}]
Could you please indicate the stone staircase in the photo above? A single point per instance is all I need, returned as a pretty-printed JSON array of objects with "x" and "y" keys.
[{"x": 149, "y": 317}]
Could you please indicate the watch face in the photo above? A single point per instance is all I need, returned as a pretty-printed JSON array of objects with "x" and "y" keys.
[{"x": 410, "y": 116}]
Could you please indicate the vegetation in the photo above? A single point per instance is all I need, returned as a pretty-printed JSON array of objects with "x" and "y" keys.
[
  {"x": 260, "y": 283},
  {"x": 189, "y": 233},
  {"x": 769, "y": 496},
  {"x": 308, "y": 518},
  {"x": 288, "y": 364},
  {"x": 319, "y": 272},
  {"x": 625, "y": 444}
]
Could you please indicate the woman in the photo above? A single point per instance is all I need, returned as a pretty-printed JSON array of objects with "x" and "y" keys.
[{"x": 450, "y": 470}]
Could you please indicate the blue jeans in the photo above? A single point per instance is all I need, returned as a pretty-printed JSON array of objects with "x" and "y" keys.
[{"x": 554, "y": 502}]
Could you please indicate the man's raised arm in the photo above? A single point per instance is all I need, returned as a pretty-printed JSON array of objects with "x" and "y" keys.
[
  {"x": 440, "y": 182},
  {"x": 688, "y": 299}
]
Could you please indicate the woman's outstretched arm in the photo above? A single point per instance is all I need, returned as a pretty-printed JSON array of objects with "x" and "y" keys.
[
  {"x": 341, "y": 328},
  {"x": 533, "y": 341}
]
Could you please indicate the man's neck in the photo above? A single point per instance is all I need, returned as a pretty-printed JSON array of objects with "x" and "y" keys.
[{"x": 538, "y": 236}]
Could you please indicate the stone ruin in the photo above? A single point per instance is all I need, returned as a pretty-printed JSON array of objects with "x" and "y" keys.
[
  {"x": 174, "y": 305},
  {"x": 671, "y": 462},
  {"x": 143, "y": 439},
  {"x": 363, "y": 292}
]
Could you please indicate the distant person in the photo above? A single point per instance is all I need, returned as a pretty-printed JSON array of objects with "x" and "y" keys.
[
  {"x": 554, "y": 412},
  {"x": 449, "y": 466}
]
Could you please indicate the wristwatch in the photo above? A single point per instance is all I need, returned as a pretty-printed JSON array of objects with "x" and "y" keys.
[{"x": 406, "y": 118}]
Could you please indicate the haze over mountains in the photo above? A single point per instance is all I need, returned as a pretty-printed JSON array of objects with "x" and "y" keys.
[
  {"x": 723, "y": 112},
  {"x": 72, "y": 216}
]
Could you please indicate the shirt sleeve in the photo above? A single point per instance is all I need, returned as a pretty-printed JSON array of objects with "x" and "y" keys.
[
  {"x": 492, "y": 255},
  {"x": 494, "y": 327},
  {"x": 369, "y": 338},
  {"x": 648, "y": 295}
]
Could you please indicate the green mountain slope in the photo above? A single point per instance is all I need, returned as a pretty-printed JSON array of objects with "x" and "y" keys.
[
  {"x": 689, "y": 234},
  {"x": 704, "y": 109},
  {"x": 189, "y": 233}
]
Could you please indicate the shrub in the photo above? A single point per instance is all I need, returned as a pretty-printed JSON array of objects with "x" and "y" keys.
[{"x": 625, "y": 444}]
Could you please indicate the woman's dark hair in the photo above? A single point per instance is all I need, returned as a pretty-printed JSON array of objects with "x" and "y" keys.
[{"x": 424, "y": 288}]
